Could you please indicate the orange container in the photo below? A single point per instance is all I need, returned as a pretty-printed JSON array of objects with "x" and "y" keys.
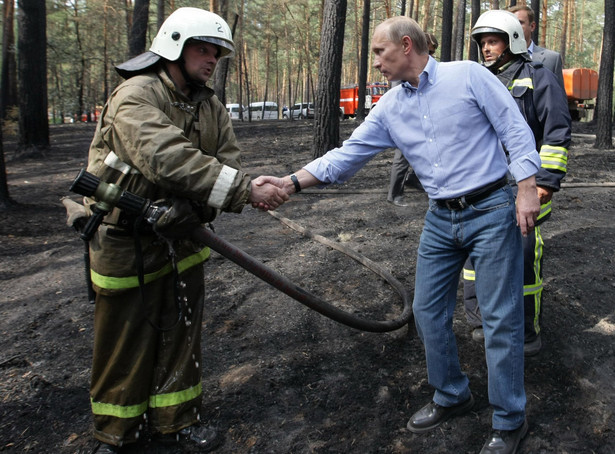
[{"x": 580, "y": 83}]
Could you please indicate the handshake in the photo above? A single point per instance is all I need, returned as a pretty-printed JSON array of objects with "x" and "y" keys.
[{"x": 268, "y": 192}]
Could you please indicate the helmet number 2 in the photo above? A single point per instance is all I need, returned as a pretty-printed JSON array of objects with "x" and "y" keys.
[{"x": 220, "y": 30}]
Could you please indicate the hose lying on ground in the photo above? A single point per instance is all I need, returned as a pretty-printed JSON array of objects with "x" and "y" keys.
[{"x": 283, "y": 284}]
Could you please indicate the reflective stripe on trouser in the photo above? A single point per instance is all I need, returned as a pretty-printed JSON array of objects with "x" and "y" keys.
[
  {"x": 532, "y": 286},
  {"x": 532, "y": 283},
  {"x": 139, "y": 370}
]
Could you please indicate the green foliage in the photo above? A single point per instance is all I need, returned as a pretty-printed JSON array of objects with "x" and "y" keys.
[{"x": 279, "y": 39}]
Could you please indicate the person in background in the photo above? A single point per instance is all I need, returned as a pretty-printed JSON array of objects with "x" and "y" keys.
[
  {"x": 548, "y": 58},
  {"x": 164, "y": 136},
  {"x": 451, "y": 121},
  {"x": 537, "y": 95},
  {"x": 401, "y": 175}
]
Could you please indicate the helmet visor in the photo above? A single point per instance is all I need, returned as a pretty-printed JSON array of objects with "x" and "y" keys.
[{"x": 226, "y": 48}]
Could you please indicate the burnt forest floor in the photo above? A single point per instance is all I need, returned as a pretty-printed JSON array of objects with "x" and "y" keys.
[{"x": 279, "y": 377}]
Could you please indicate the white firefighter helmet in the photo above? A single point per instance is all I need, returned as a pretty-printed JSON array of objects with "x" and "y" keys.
[
  {"x": 502, "y": 22},
  {"x": 192, "y": 23}
]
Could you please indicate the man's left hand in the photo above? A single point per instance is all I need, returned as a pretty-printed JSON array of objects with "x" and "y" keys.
[{"x": 544, "y": 194}]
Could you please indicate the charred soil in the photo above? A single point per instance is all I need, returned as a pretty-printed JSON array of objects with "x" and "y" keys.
[{"x": 278, "y": 377}]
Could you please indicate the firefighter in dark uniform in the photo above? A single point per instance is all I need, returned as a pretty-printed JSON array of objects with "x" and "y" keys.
[
  {"x": 164, "y": 136},
  {"x": 503, "y": 50}
]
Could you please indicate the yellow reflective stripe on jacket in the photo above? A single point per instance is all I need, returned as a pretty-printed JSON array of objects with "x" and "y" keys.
[
  {"x": 554, "y": 157},
  {"x": 176, "y": 398},
  {"x": 115, "y": 283},
  {"x": 525, "y": 82},
  {"x": 469, "y": 275},
  {"x": 119, "y": 411}
]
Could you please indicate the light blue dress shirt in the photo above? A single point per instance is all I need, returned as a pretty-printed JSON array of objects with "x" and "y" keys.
[{"x": 451, "y": 130}]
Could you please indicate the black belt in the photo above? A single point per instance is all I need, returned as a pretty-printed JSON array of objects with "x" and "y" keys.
[{"x": 459, "y": 203}]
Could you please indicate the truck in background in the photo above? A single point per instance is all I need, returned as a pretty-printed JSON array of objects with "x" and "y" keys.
[
  {"x": 581, "y": 86},
  {"x": 349, "y": 98}
]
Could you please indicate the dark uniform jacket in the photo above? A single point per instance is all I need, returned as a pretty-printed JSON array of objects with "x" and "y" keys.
[{"x": 538, "y": 95}]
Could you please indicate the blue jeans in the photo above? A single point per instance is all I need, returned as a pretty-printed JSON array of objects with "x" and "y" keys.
[{"x": 488, "y": 234}]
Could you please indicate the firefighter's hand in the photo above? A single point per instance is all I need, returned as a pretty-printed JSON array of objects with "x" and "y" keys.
[
  {"x": 528, "y": 205},
  {"x": 267, "y": 193},
  {"x": 544, "y": 194}
]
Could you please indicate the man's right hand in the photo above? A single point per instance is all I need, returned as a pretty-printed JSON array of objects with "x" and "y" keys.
[
  {"x": 266, "y": 195},
  {"x": 528, "y": 205}
]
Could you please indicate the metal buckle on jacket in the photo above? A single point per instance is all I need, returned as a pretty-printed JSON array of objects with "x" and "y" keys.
[{"x": 456, "y": 204}]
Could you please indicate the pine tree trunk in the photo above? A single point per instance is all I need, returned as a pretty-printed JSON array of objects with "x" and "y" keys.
[
  {"x": 5, "y": 199},
  {"x": 604, "y": 101},
  {"x": 364, "y": 57},
  {"x": 8, "y": 81},
  {"x": 32, "y": 69},
  {"x": 326, "y": 122},
  {"x": 138, "y": 31},
  {"x": 460, "y": 25},
  {"x": 475, "y": 14},
  {"x": 447, "y": 30}
]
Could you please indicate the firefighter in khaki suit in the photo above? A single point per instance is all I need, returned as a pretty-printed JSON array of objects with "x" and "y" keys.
[{"x": 163, "y": 135}]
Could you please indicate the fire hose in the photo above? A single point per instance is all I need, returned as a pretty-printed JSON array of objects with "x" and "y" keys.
[{"x": 110, "y": 195}]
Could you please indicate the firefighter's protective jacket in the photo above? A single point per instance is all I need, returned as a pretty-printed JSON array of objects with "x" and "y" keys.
[
  {"x": 542, "y": 103},
  {"x": 157, "y": 143}
]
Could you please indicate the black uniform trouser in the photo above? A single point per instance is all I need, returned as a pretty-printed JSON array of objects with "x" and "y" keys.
[
  {"x": 532, "y": 287},
  {"x": 399, "y": 170},
  {"x": 142, "y": 373}
]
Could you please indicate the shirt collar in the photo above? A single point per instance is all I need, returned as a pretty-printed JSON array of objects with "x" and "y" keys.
[
  {"x": 530, "y": 48},
  {"x": 428, "y": 75}
]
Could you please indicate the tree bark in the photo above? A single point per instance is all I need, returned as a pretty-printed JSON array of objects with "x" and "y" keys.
[
  {"x": 138, "y": 31},
  {"x": 460, "y": 25},
  {"x": 475, "y": 14},
  {"x": 8, "y": 79},
  {"x": 5, "y": 198},
  {"x": 32, "y": 69},
  {"x": 326, "y": 122},
  {"x": 604, "y": 101},
  {"x": 364, "y": 58},
  {"x": 219, "y": 83},
  {"x": 160, "y": 16},
  {"x": 564, "y": 28},
  {"x": 447, "y": 30},
  {"x": 535, "y": 5}
]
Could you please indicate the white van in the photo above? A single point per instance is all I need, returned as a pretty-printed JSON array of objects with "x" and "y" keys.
[
  {"x": 266, "y": 110},
  {"x": 233, "y": 112}
]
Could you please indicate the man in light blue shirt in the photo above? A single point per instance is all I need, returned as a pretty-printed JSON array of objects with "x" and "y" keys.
[{"x": 450, "y": 121}]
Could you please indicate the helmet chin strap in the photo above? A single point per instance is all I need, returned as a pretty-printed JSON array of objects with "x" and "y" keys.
[
  {"x": 190, "y": 82},
  {"x": 498, "y": 62}
]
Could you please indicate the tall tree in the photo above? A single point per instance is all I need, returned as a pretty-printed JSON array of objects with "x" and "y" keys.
[
  {"x": 604, "y": 101},
  {"x": 474, "y": 17},
  {"x": 8, "y": 79},
  {"x": 564, "y": 29},
  {"x": 222, "y": 68},
  {"x": 32, "y": 70},
  {"x": 138, "y": 31},
  {"x": 5, "y": 198},
  {"x": 460, "y": 25},
  {"x": 364, "y": 58},
  {"x": 160, "y": 16},
  {"x": 447, "y": 30},
  {"x": 82, "y": 60},
  {"x": 326, "y": 122},
  {"x": 535, "y": 5}
]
